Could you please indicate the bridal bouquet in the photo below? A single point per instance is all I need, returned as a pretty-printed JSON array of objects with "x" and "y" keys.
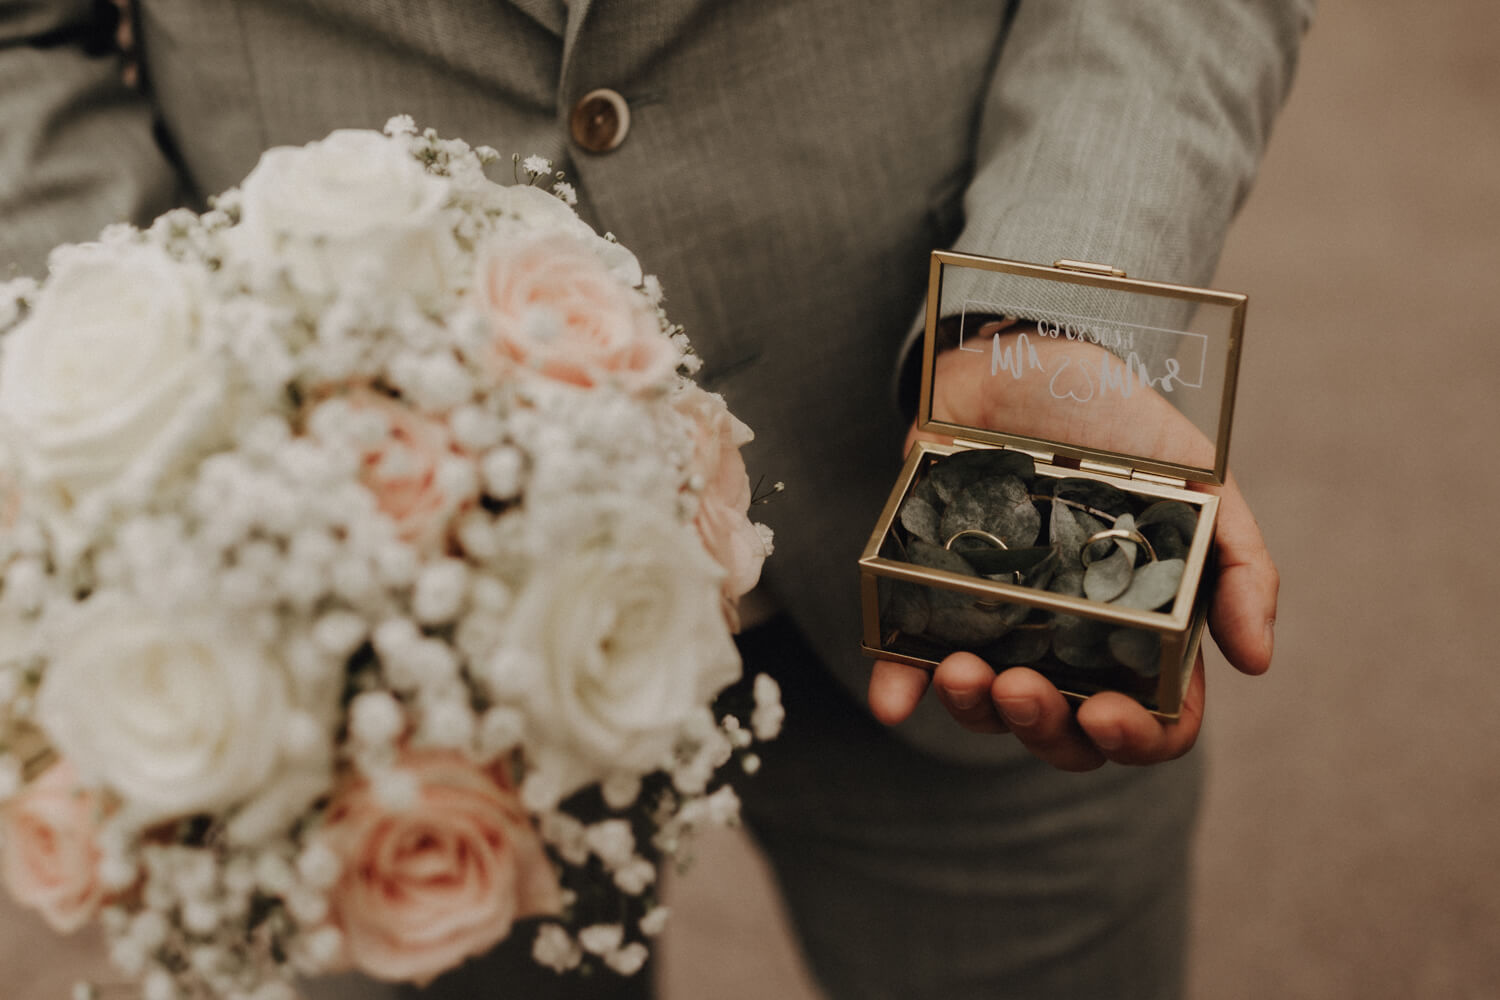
[{"x": 367, "y": 578}]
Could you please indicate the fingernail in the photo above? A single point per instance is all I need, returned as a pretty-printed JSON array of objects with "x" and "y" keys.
[
  {"x": 1270, "y": 636},
  {"x": 962, "y": 699},
  {"x": 1019, "y": 711}
]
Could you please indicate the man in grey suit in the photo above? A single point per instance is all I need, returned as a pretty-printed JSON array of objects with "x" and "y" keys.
[{"x": 785, "y": 166}]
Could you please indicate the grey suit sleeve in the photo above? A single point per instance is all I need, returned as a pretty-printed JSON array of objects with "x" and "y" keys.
[
  {"x": 1128, "y": 132},
  {"x": 76, "y": 147},
  {"x": 1125, "y": 132}
]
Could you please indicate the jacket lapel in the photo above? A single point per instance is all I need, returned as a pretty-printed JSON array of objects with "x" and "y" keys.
[{"x": 554, "y": 15}]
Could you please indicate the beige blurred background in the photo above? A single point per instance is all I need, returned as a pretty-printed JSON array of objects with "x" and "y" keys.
[{"x": 1351, "y": 843}]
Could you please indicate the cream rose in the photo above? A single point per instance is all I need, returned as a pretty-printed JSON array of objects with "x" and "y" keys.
[
  {"x": 177, "y": 715},
  {"x": 109, "y": 378},
  {"x": 426, "y": 887},
  {"x": 405, "y": 470},
  {"x": 717, "y": 474},
  {"x": 49, "y": 857},
  {"x": 555, "y": 308},
  {"x": 354, "y": 205},
  {"x": 625, "y": 640},
  {"x": 531, "y": 212}
]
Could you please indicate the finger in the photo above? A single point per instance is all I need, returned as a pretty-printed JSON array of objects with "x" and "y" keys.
[
  {"x": 895, "y": 689},
  {"x": 1242, "y": 616},
  {"x": 1128, "y": 734},
  {"x": 962, "y": 682},
  {"x": 1043, "y": 720}
]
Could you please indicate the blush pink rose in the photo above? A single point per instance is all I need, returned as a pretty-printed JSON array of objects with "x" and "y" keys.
[
  {"x": 403, "y": 470},
  {"x": 425, "y": 888},
  {"x": 49, "y": 857},
  {"x": 722, "y": 518},
  {"x": 556, "y": 309}
]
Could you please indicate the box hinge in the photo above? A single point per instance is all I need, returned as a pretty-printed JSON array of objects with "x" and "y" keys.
[
  {"x": 1160, "y": 480},
  {"x": 1120, "y": 471},
  {"x": 1044, "y": 457},
  {"x": 1088, "y": 267},
  {"x": 1126, "y": 472}
]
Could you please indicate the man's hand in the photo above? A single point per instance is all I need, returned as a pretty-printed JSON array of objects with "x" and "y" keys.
[{"x": 1109, "y": 725}]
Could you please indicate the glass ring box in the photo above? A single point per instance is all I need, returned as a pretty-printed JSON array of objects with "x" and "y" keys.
[{"x": 1059, "y": 529}]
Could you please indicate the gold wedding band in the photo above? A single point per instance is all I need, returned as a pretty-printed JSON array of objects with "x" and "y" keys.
[
  {"x": 975, "y": 533},
  {"x": 993, "y": 540},
  {"x": 1115, "y": 535}
]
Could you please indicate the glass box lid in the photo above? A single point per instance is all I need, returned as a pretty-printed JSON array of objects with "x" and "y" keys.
[{"x": 1079, "y": 361}]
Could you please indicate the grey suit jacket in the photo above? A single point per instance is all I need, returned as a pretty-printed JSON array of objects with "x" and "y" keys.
[{"x": 789, "y": 166}]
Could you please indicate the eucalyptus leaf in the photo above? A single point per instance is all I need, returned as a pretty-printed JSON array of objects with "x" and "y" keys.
[
  {"x": 1019, "y": 647},
  {"x": 1096, "y": 494},
  {"x": 936, "y": 557},
  {"x": 1138, "y": 649},
  {"x": 990, "y": 561},
  {"x": 1103, "y": 547},
  {"x": 1108, "y": 578},
  {"x": 1153, "y": 585},
  {"x": 1165, "y": 540},
  {"x": 920, "y": 519},
  {"x": 1169, "y": 525},
  {"x": 1040, "y": 575},
  {"x": 999, "y": 506},
  {"x": 906, "y": 608},
  {"x": 954, "y": 473},
  {"x": 928, "y": 492},
  {"x": 1079, "y": 642},
  {"x": 1068, "y": 580},
  {"x": 974, "y": 623},
  {"x": 1068, "y": 530},
  {"x": 1181, "y": 516}
]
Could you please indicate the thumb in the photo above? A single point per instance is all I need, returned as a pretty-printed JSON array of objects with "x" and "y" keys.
[{"x": 1243, "y": 613}]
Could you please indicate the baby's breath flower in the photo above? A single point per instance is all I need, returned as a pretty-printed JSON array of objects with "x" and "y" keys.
[
  {"x": 439, "y": 592},
  {"x": 627, "y": 961},
  {"x": 621, "y": 789},
  {"x": 376, "y": 718},
  {"x": 556, "y": 949},
  {"x": 500, "y": 731},
  {"x": 635, "y": 876},
  {"x": 612, "y": 841},
  {"x": 768, "y": 715},
  {"x": 655, "y": 921},
  {"x": 318, "y": 866},
  {"x": 601, "y": 939}
]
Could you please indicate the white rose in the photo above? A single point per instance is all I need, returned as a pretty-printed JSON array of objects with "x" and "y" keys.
[
  {"x": 110, "y": 378},
  {"x": 626, "y": 643},
  {"x": 355, "y": 207},
  {"x": 532, "y": 211},
  {"x": 179, "y": 715}
]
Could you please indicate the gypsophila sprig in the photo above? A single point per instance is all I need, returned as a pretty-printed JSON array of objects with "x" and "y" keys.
[{"x": 373, "y": 507}]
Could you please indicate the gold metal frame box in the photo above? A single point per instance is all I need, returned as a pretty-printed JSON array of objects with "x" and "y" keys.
[{"x": 1103, "y": 399}]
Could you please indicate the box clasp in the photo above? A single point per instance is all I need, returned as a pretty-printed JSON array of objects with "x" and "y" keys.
[{"x": 1088, "y": 267}]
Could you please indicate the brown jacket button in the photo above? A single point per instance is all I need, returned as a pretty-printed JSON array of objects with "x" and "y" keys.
[{"x": 600, "y": 121}]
